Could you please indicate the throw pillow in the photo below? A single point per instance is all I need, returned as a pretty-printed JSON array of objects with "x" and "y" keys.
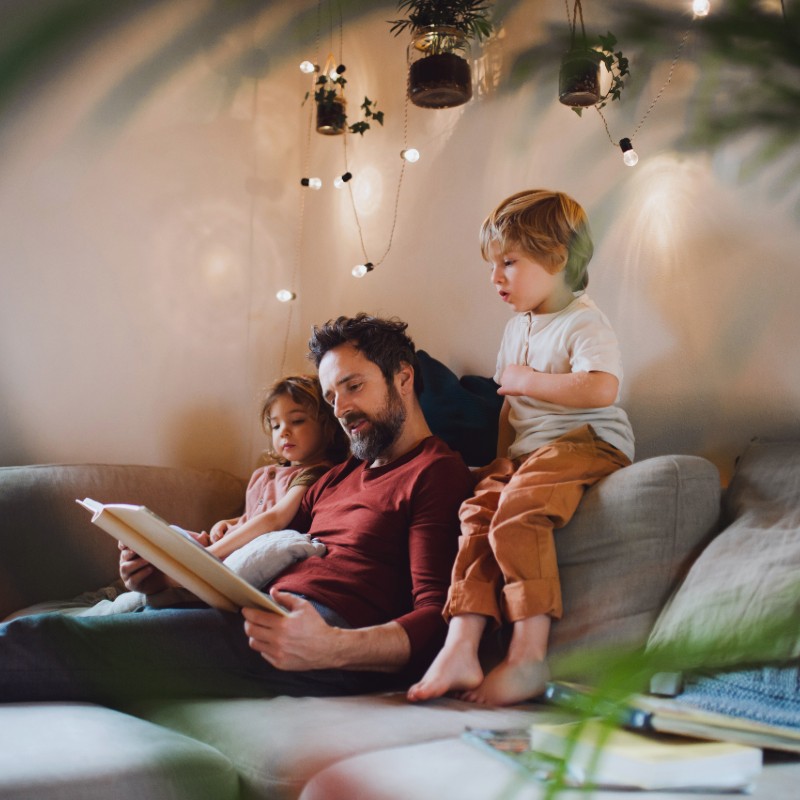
[
  {"x": 462, "y": 412},
  {"x": 740, "y": 602}
]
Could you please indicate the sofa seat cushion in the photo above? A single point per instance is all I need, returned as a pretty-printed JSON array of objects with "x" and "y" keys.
[
  {"x": 278, "y": 744},
  {"x": 452, "y": 769},
  {"x": 740, "y": 601},
  {"x": 72, "y": 751}
]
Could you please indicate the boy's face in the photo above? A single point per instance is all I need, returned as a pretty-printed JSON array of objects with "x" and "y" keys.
[{"x": 525, "y": 284}]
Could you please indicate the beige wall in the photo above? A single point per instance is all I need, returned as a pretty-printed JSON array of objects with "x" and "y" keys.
[{"x": 148, "y": 216}]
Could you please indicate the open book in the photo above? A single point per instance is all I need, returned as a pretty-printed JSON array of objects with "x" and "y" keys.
[{"x": 178, "y": 555}]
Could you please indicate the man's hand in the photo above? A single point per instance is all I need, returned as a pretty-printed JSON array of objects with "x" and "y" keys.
[
  {"x": 300, "y": 641},
  {"x": 139, "y": 575},
  {"x": 303, "y": 640}
]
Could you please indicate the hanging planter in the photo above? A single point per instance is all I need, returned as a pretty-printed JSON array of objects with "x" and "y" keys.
[
  {"x": 331, "y": 116},
  {"x": 579, "y": 78},
  {"x": 332, "y": 105},
  {"x": 439, "y": 54},
  {"x": 439, "y": 73}
]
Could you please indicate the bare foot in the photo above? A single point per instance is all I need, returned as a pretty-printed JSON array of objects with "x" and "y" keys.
[
  {"x": 456, "y": 668},
  {"x": 523, "y": 673},
  {"x": 509, "y": 683}
]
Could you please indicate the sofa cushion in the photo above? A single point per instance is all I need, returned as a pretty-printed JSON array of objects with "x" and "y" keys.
[
  {"x": 71, "y": 751},
  {"x": 740, "y": 601},
  {"x": 624, "y": 551},
  {"x": 464, "y": 412},
  {"x": 39, "y": 515},
  {"x": 278, "y": 744}
]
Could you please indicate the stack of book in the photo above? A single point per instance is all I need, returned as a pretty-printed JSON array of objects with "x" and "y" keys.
[{"x": 655, "y": 744}]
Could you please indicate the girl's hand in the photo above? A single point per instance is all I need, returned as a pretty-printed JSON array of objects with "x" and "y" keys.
[
  {"x": 219, "y": 530},
  {"x": 201, "y": 538}
]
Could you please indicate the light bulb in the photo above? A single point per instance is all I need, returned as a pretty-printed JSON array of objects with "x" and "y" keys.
[
  {"x": 284, "y": 295},
  {"x": 629, "y": 155},
  {"x": 361, "y": 270},
  {"x": 701, "y": 8},
  {"x": 335, "y": 72},
  {"x": 410, "y": 154},
  {"x": 312, "y": 183},
  {"x": 342, "y": 180},
  {"x": 631, "y": 158},
  {"x": 308, "y": 67}
]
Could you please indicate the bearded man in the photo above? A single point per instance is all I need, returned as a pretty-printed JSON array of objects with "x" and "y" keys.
[{"x": 366, "y": 616}]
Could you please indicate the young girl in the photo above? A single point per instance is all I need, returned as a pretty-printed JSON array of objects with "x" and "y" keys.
[{"x": 306, "y": 441}]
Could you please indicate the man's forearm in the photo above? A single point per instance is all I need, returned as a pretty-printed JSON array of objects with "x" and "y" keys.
[
  {"x": 302, "y": 640},
  {"x": 381, "y": 648}
]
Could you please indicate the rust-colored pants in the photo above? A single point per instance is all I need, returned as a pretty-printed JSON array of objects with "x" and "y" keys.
[{"x": 506, "y": 565}]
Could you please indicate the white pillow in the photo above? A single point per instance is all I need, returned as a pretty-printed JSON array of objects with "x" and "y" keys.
[{"x": 740, "y": 602}]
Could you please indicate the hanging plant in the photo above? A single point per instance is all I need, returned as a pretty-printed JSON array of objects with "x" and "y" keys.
[
  {"x": 439, "y": 74},
  {"x": 579, "y": 76},
  {"x": 332, "y": 107}
]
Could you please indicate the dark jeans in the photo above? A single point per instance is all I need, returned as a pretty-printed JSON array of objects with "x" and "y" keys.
[{"x": 171, "y": 652}]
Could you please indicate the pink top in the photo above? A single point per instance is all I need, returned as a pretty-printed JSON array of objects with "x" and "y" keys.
[{"x": 268, "y": 485}]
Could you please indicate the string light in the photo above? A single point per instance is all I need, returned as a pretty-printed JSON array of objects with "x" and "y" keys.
[
  {"x": 330, "y": 71},
  {"x": 361, "y": 270},
  {"x": 307, "y": 67},
  {"x": 284, "y": 295},
  {"x": 701, "y": 8},
  {"x": 342, "y": 180},
  {"x": 629, "y": 155}
]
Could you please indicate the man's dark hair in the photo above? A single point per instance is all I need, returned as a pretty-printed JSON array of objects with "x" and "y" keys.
[{"x": 383, "y": 341}]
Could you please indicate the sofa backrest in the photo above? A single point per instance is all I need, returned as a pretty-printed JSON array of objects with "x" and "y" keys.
[{"x": 50, "y": 550}]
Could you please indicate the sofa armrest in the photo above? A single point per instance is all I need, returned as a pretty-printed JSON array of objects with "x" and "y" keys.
[
  {"x": 49, "y": 549},
  {"x": 632, "y": 539}
]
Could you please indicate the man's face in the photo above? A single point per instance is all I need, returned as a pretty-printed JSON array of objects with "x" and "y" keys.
[{"x": 371, "y": 413}]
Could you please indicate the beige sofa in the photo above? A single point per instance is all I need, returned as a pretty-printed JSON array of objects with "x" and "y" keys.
[{"x": 621, "y": 556}]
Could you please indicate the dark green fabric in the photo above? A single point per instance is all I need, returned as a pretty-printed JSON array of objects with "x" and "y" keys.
[{"x": 462, "y": 412}]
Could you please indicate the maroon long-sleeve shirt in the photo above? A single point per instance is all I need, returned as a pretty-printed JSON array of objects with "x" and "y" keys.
[{"x": 391, "y": 534}]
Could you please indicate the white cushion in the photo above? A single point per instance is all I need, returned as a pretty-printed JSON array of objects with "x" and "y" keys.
[
  {"x": 740, "y": 602},
  {"x": 75, "y": 751}
]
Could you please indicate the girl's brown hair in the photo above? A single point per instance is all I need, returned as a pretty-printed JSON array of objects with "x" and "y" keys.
[{"x": 306, "y": 391}]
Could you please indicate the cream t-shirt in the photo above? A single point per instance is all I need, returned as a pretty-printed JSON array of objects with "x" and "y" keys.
[{"x": 579, "y": 338}]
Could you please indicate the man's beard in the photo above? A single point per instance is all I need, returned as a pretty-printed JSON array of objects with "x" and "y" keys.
[{"x": 382, "y": 430}]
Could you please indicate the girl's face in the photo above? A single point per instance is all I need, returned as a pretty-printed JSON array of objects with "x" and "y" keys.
[{"x": 297, "y": 435}]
